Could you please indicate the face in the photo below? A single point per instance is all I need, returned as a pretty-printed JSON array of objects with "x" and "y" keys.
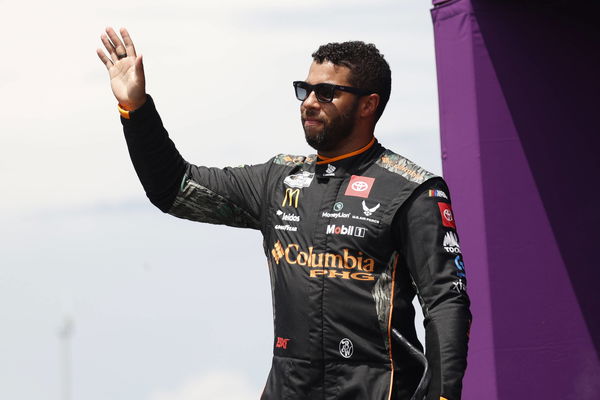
[{"x": 326, "y": 125}]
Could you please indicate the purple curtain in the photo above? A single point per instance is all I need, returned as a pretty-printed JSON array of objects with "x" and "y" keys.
[{"x": 519, "y": 91}]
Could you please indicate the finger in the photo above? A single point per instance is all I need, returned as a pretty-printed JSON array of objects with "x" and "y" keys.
[
  {"x": 109, "y": 47},
  {"x": 116, "y": 41},
  {"x": 129, "y": 47},
  {"x": 105, "y": 60},
  {"x": 139, "y": 66}
]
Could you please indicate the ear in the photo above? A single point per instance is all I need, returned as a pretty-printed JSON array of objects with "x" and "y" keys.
[{"x": 368, "y": 105}]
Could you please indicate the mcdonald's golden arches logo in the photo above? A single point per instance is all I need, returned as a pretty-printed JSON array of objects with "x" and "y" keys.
[{"x": 291, "y": 197}]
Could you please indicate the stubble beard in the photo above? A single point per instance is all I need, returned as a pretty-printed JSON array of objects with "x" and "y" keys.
[{"x": 332, "y": 133}]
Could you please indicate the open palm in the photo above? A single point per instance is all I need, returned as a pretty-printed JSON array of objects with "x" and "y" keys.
[{"x": 125, "y": 69}]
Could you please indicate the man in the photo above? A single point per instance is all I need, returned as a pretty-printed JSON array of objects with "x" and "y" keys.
[{"x": 351, "y": 234}]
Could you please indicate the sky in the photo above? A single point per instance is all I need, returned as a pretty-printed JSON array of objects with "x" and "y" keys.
[{"x": 163, "y": 309}]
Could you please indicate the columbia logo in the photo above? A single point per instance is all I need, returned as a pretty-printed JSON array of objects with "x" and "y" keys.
[{"x": 277, "y": 252}]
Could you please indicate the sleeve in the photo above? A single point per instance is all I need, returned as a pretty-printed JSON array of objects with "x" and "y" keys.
[
  {"x": 430, "y": 245},
  {"x": 230, "y": 196}
]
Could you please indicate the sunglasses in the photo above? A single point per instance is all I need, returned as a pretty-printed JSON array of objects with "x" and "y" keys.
[{"x": 324, "y": 91}]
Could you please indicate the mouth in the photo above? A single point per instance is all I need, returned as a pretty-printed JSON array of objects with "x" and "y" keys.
[{"x": 311, "y": 122}]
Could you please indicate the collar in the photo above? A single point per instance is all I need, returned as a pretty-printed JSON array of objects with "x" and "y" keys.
[
  {"x": 350, "y": 163},
  {"x": 327, "y": 160}
]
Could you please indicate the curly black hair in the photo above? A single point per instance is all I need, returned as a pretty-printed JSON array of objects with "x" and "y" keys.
[{"x": 368, "y": 68}]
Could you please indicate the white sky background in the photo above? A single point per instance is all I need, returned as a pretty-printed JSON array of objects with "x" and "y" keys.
[{"x": 164, "y": 309}]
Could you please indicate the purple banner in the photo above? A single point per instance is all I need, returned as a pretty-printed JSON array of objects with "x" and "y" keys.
[{"x": 518, "y": 92}]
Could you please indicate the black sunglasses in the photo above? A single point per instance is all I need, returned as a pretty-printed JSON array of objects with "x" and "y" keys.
[{"x": 324, "y": 91}]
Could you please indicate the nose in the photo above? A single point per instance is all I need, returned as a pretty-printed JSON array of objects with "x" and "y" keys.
[{"x": 311, "y": 101}]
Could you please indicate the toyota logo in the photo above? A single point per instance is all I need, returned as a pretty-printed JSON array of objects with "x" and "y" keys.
[
  {"x": 448, "y": 215},
  {"x": 360, "y": 186}
]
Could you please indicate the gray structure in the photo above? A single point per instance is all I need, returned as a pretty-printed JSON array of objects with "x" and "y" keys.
[{"x": 519, "y": 87}]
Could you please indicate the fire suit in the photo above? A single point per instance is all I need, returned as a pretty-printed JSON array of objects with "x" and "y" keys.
[{"x": 349, "y": 242}]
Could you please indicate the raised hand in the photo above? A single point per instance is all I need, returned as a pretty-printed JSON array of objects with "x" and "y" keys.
[{"x": 125, "y": 68}]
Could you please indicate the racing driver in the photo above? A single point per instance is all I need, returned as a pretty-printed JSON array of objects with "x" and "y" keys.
[{"x": 351, "y": 234}]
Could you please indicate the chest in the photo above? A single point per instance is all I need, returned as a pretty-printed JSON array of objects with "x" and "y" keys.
[{"x": 351, "y": 213}]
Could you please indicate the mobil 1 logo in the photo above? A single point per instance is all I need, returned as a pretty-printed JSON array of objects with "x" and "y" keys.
[{"x": 348, "y": 230}]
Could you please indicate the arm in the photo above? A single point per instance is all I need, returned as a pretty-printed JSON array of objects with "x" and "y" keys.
[
  {"x": 223, "y": 196},
  {"x": 435, "y": 264}
]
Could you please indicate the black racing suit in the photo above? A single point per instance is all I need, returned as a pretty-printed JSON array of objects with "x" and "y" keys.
[{"x": 349, "y": 243}]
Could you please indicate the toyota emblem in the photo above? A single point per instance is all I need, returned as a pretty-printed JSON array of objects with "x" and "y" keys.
[
  {"x": 360, "y": 186},
  {"x": 448, "y": 215}
]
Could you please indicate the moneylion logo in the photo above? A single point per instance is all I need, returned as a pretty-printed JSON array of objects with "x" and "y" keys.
[
  {"x": 357, "y": 267},
  {"x": 451, "y": 243},
  {"x": 291, "y": 197}
]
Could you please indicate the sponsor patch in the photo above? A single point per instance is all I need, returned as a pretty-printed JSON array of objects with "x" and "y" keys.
[
  {"x": 277, "y": 251},
  {"x": 361, "y": 218},
  {"x": 438, "y": 193},
  {"x": 291, "y": 198},
  {"x": 346, "y": 348},
  {"x": 369, "y": 211},
  {"x": 451, "y": 243},
  {"x": 347, "y": 230},
  {"x": 330, "y": 171},
  {"x": 300, "y": 180},
  {"x": 338, "y": 206},
  {"x": 460, "y": 266},
  {"x": 327, "y": 214},
  {"x": 345, "y": 265},
  {"x": 447, "y": 215},
  {"x": 459, "y": 286},
  {"x": 288, "y": 228},
  {"x": 288, "y": 217},
  {"x": 282, "y": 343},
  {"x": 359, "y": 186}
]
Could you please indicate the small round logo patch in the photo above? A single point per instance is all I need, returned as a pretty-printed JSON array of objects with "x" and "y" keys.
[
  {"x": 448, "y": 215},
  {"x": 346, "y": 348},
  {"x": 338, "y": 206}
]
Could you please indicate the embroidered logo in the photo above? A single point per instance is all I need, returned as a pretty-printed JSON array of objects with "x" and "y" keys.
[
  {"x": 447, "y": 216},
  {"x": 451, "y": 242},
  {"x": 282, "y": 343},
  {"x": 330, "y": 171},
  {"x": 300, "y": 180},
  {"x": 346, "y": 348},
  {"x": 369, "y": 211},
  {"x": 291, "y": 198},
  {"x": 438, "y": 193},
  {"x": 359, "y": 186}
]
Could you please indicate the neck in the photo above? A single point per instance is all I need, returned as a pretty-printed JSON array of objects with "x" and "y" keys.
[{"x": 352, "y": 151}]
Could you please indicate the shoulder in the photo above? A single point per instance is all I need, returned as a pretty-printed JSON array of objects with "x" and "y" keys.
[
  {"x": 291, "y": 160},
  {"x": 404, "y": 167}
]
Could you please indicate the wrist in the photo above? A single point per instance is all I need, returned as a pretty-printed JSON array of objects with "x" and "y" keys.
[{"x": 126, "y": 108}]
